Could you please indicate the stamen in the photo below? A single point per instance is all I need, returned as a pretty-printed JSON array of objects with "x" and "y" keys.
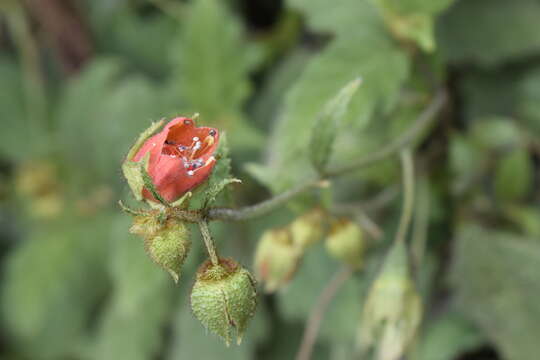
[
  {"x": 209, "y": 140},
  {"x": 190, "y": 172},
  {"x": 210, "y": 160}
]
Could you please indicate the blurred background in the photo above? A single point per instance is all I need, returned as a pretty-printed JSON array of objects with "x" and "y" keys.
[{"x": 79, "y": 80}]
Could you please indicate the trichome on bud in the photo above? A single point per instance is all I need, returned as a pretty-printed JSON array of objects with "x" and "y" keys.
[{"x": 224, "y": 298}]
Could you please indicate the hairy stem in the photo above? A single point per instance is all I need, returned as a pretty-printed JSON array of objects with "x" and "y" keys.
[
  {"x": 425, "y": 118},
  {"x": 208, "y": 242},
  {"x": 403, "y": 141},
  {"x": 261, "y": 208}
]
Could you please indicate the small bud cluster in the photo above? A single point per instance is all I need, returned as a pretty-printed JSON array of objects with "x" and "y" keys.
[
  {"x": 161, "y": 169},
  {"x": 345, "y": 242},
  {"x": 280, "y": 251}
]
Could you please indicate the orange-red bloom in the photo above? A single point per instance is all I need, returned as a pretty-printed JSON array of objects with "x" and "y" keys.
[{"x": 181, "y": 157}]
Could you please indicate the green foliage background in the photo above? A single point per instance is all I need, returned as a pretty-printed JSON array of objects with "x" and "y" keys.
[{"x": 76, "y": 285}]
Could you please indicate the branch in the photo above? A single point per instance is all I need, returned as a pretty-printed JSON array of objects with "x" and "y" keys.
[
  {"x": 264, "y": 207},
  {"x": 208, "y": 242},
  {"x": 403, "y": 141},
  {"x": 317, "y": 313},
  {"x": 425, "y": 118},
  {"x": 408, "y": 194}
]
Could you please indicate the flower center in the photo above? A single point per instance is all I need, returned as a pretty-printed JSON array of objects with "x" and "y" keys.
[{"x": 191, "y": 155}]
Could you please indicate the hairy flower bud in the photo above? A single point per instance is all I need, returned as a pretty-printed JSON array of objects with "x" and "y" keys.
[
  {"x": 346, "y": 242},
  {"x": 178, "y": 158},
  {"x": 224, "y": 298},
  {"x": 393, "y": 309},
  {"x": 276, "y": 258},
  {"x": 308, "y": 228},
  {"x": 167, "y": 243}
]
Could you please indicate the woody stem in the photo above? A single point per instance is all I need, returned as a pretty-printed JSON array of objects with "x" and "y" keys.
[{"x": 208, "y": 242}]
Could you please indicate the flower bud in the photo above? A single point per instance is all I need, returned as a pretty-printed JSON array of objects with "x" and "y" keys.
[
  {"x": 346, "y": 242},
  {"x": 167, "y": 243},
  {"x": 224, "y": 297},
  {"x": 393, "y": 309},
  {"x": 276, "y": 258},
  {"x": 178, "y": 158},
  {"x": 308, "y": 228}
]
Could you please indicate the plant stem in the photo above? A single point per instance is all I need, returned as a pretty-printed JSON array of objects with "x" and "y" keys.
[
  {"x": 425, "y": 118},
  {"x": 261, "y": 208},
  {"x": 421, "y": 222},
  {"x": 408, "y": 194},
  {"x": 208, "y": 242},
  {"x": 403, "y": 141},
  {"x": 317, "y": 313}
]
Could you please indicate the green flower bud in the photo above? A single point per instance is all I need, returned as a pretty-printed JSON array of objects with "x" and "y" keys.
[
  {"x": 308, "y": 228},
  {"x": 166, "y": 242},
  {"x": 276, "y": 258},
  {"x": 346, "y": 242},
  {"x": 393, "y": 309},
  {"x": 224, "y": 297}
]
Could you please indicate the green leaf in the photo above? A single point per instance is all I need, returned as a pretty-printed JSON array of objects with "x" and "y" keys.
[
  {"x": 526, "y": 217},
  {"x": 192, "y": 342},
  {"x": 211, "y": 65},
  {"x": 495, "y": 133},
  {"x": 120, "y": 30},
  {"x": 446, "y": 338},
  {"x": 51, "y": 286},
  {"x": 413, "y": 19},
  {"x": 490, "y": 32},
  {"x": 322, "y": 16},
  {"x": 495, "y": 277},
  {"x": 382, "y": 66},
  {"x": 528, "y": 107},
  {"x": 217, "y": 188},
  {"x": 100, "y": 114},
  {"x": 297, "y": 299},
  {"x": 514, "y": 175},
  {"x": 20, "y": 137},
  {"x": 324, "y": 131},
  {"x": 131, "y": 324}
]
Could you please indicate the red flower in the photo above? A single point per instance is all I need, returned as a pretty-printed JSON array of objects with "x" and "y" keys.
[{"x": 181, "y": 157}]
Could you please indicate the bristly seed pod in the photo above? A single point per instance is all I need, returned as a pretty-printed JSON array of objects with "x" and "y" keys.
[
  {"x": 346, "y": 242},
  {"x": 223, "y": 298},
  {"x": 307, "y": 229},
  {"x": 166, "y": 242},
  {"x": 276, "y": 258}
]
